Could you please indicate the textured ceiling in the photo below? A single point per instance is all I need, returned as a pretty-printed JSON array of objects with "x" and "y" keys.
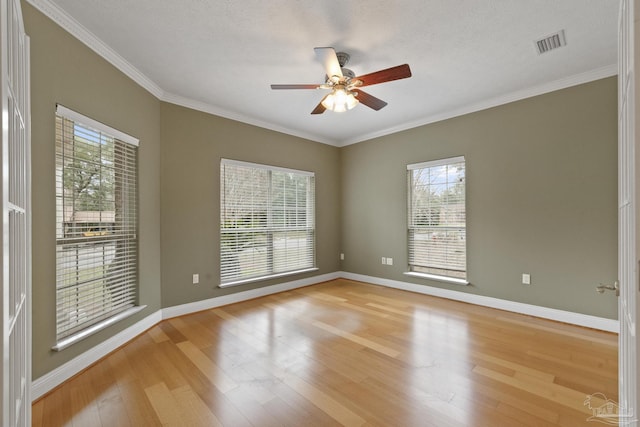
[{"x": 221, "y": 56}]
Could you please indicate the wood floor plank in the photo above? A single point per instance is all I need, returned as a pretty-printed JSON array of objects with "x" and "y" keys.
[
  {"x": 390, "y": 309},
  {"x": 343, "y": 353},
  {"x": 137, "y": 352},
  {"x": 521, "y": 400},
  {"x": 137, "y": 406},
  {"x": 170, "y": 331},
  {"x": 300, "y": 407},
  {"x": 325, "y": 402},
  {"x": 228, "y": 414},
  {"x": 251, "y": 408},
  {"x": 324, "y": 296},
  {"x": 371, "y": 312},
  {"x": 525, "y": 417},
  {"x": 556, "y": 330},
  {"x": 193, "y": 330},
  {"x": 56, "y": 411},
  {"x": 84, "y": 406},
  {"x": 171, "y": 376},
  {"x": 194, "y": 410},
  {"x": 609, "y": 370},
  {"x": 357, "y": 339},
  {"x": 398, "y": 302},
  {"x": 164, "y": 404},
  {"x": 37, "y": 413},
  {"x": 112, "y": 410},
  {"x": 519, "y": 368},
  {"x": 568, "y": 397},
  {"x": 121, "y": 367},
  {"x": 217, "y": 377},
  {"x": 157, "y": 334}
]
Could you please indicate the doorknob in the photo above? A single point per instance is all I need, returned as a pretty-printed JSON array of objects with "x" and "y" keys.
[{"x": 615, "y": 287}]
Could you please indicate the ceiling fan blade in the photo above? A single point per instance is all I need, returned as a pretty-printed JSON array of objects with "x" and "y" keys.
[
  {"x": 387, "y": 75},
  {"x": 327, "y": 56},
  {"x": 295, "y": 86},
  {"x": 319, "y": 108},
  {"x": 369, "y": 100}
]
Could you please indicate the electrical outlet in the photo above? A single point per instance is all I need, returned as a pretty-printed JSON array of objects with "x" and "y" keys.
[
  {"x": 196, "y": 279},
  {"x": 526, "y": 279},
  {"x": 341, "y": 257},
  {"x": 389, "y": 261}
]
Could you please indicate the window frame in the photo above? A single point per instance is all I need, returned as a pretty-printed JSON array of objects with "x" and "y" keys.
[
  {"x": 435, "y": 271},
  {"x": 269, "y": 229},
  {"x": 117, "y": 301}
]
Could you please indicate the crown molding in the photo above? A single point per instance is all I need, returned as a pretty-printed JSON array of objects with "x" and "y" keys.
[
  {"x": 577, "y": 79},
  {"x": 68, "y": 23},
  {"x": 217, "y": 111}
]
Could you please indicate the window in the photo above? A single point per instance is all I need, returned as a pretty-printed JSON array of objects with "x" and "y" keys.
[
  {"x": 267, "y": 222},
  {"x": 96, "y": 223},
  {"x": 437, "y": 219}
]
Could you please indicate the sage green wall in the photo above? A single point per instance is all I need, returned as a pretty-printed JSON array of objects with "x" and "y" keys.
[
  {"x": 65, "y": 71},
  {"x": 541, "y": 198},
  {"x": 192, "y": 145}
]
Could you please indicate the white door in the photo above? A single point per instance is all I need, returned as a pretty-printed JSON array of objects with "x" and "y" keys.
[
  {"x": 15, "y": 226},
  {"x": 627, "y": 257}
]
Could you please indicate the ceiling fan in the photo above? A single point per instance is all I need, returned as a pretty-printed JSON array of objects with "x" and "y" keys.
[{"x": 344, "y": 85}]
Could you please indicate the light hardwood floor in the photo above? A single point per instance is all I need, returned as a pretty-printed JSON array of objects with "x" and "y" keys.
[{"x": 344, "y": 353}]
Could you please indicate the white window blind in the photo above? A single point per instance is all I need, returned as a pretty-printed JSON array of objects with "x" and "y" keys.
[
  {"x": 267, "y": 223},
  {"x": 437, "y": 218},
  {"x": 96, "y": 222}
]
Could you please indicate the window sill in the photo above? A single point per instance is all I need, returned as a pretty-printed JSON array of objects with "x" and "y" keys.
[
  {"x": 79, "y": 336},
  {"x": 261, "y": 278},
  {"x": 454, "y": 280}
]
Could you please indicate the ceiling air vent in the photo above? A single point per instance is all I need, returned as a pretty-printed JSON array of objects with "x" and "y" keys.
[{"x": 551, "y": 42}]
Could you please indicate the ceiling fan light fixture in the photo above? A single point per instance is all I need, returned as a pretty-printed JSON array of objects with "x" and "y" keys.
[
  {"x": 344, "y": 85},
  {"x": 339, "y": 100}
]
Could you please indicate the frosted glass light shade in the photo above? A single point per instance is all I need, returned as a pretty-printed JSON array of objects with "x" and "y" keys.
[{"x": 339, "y": 100}]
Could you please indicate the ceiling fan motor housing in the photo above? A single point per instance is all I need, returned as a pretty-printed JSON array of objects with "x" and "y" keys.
[
  {"x": 346, "y": 73},
  {"x": 343, "y": 58}
]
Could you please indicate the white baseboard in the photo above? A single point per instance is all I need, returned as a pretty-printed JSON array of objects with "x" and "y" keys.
[
  {"x": 52, "y": 379},
  {"x": 192, "y": 307},
  {"x": 609, "y": 325}
]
